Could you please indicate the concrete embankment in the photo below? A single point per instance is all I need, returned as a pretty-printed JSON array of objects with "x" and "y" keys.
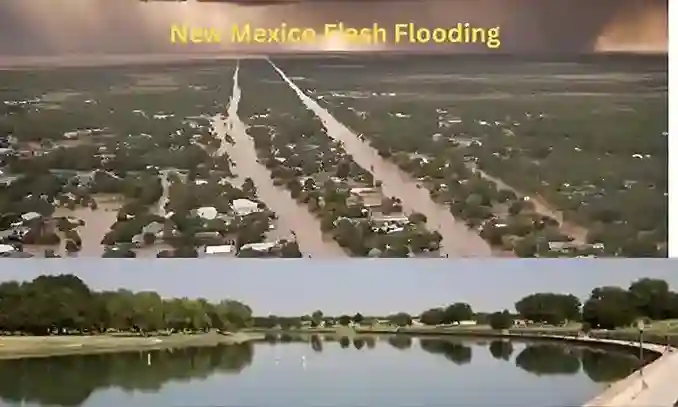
[{"x": 654, "y": 385}]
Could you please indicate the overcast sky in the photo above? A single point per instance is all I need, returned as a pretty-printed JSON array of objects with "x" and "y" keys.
[
  {"x": 369, "y": 286},
  {"x": 68, "y": 27}
]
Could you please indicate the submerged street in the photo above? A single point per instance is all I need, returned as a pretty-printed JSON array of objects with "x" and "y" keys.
[{"x": 458, "y": 240}]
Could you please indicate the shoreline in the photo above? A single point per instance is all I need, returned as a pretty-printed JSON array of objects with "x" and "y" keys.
[{"x": 50, "y": 346}]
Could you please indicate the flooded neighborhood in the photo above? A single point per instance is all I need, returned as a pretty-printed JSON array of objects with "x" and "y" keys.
[{"x": 308, "y": 158}]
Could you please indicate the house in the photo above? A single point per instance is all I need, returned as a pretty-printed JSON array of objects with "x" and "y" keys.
[
  {"x": 259, "y": 247},
  {"x": 29, "y": 216},
  {"x": 368, "y": 197},
  {"x": 16, "y": 233},
  {"x": 219, "y": 250},
  {"x": 6, "y": 249},
  {"x": 244, "y": 207},
  {"x": 207, "y": 212},
  {"x": 396, "y": 219}
]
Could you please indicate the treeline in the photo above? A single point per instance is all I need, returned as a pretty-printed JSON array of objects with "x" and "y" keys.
[
  {"x": 607, "y": 307},
  {"x": 64, "y": 304}
]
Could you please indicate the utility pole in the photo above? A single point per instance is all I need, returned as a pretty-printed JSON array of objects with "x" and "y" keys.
[{"x": 641, "y": 330}]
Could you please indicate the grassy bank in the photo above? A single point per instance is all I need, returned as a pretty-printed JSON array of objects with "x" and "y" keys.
[
  {"x": 16, "y": 347},
  {"x": 662, "y": 332}
]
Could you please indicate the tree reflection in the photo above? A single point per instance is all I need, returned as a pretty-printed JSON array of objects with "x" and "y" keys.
[
  {"x": 271, "y": 338},
  {"x": 344, "y": 342},
  {"x": 501, "y": 349},
  {"x": 606, "y": 367},
  {"x": 453, "y": 351},
  {"x": 70, "y": 380},
  {"x": 371, "y": 342},
  {"x": 358, "y": 343},
  {"x": 548, "y": 359},
  {"x": 316, "y": 343},
  {"x": 400, "y": 341}
]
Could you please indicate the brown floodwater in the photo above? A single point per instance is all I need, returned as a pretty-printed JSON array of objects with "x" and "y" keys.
[
  {"x": 458, "y": 240},
  {"x": 292, "y": 216}
]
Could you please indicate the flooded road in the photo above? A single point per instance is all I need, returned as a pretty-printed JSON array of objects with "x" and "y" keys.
[
  {"x": 164, "y": 198},
  {"x": 458, "y": 240},
  {"x": 97, "y": 223},
  {"x": 292, "y": 216}
]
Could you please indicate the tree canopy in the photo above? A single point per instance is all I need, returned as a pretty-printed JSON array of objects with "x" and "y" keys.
[{"x": 64, "y": 303}]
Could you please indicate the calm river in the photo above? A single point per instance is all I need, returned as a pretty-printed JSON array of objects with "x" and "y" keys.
[{"x": 394, "y": 371}]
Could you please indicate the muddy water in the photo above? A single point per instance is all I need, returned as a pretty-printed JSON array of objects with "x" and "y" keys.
[
  {"x": 291, "y": 215},
  {"x": 164, "y": 198},
  {"x": 458, "y": 240},
  {"x": 97, "y": 223}
]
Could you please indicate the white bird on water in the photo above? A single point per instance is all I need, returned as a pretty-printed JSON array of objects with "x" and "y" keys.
[{"x": 303, "y": 361}]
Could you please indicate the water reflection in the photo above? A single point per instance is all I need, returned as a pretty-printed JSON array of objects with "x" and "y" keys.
[
  {"x": 400, "y": 341},
  {"x": 455, "y": 352},
  {"x": 344, "y": 342},
  {"x": 605, "y": 367},
  {"x": 501, "y": 349},
  {"x": 549, "y": 359},
  {"x": 70, "y": 381}
]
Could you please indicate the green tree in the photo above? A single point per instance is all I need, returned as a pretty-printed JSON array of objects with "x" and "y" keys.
[
  {"x": 500, "y": 320},
  {"x": 609, "y": 308},
  {"x": 401, "y": 319},
  {"x": 457, "y": 312},
  {"x": 317, "y": 317},
  {"x": 433, "y": 316},
  {"x": 651, "y": 297},
  {"x": 549, "y": 308}
]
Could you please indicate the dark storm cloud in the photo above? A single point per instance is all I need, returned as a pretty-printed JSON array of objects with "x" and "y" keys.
[{"x": 59, "y": 27}]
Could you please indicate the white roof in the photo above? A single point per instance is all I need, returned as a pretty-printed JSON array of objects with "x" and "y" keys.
[
  {"x": 207, "y": 212},
  {"x": 259, "y": 247},
  {"x": 227, "y": 248},
  {"x": 244, "y": 204},
  {"x": 362, "y": 190},
  {"x": 30, "y": 215},
  {"x": 5, "y": 248}
]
